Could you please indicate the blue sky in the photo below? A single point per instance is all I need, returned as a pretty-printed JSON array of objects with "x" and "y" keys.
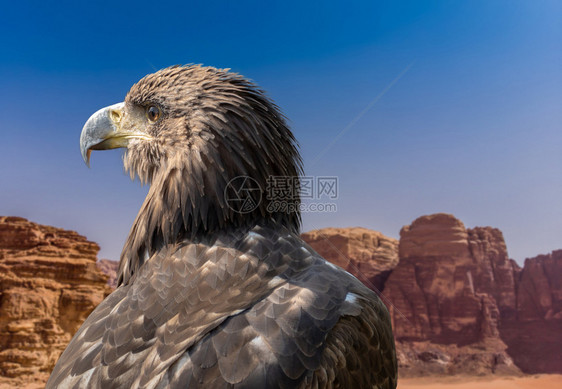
[{"x": 472, "y": 126}]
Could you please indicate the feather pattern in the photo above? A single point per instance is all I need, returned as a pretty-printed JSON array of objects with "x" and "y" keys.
[
  {"x": 258, "y": 309},
  {"x": 210, "y": 297},
  {"x": 217, "y": 126}
]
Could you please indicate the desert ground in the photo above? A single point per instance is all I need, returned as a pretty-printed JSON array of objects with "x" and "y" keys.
[{"x": 543, "y": 381}]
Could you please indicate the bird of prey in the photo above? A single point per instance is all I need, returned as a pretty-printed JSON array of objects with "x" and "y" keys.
[{"x": 210, "y": 295}]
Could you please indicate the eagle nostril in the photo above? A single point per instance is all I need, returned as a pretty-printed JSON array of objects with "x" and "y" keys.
[{"x": 115, "y": 115}]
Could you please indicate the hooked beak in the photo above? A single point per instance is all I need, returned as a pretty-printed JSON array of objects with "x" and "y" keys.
[{"x": 104, "y": 130}]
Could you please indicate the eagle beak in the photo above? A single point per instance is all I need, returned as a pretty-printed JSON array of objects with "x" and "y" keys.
[{"x": 104, "y": 130}]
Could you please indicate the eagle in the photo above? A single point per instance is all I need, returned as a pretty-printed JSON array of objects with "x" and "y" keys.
[{"x": 209, "y": 294}]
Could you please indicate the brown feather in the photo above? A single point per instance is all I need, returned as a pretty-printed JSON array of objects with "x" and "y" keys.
[
  {"x": 217, "y": 126},
  {"x": 212, "y": 298}
]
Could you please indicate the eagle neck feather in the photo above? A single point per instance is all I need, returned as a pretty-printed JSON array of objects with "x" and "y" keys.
[{"x": 186, "y": 203}]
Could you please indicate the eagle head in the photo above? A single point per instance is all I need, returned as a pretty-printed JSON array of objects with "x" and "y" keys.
[{"x": 189, "y": 131}]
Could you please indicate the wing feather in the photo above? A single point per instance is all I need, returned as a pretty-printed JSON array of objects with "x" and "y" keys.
[{"x": 263, "y": 310}]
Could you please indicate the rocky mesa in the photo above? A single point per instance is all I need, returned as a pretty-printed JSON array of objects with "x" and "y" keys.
[
  {"x": 459, "y": 305},
  {"x": 49, "y": 284},
  {"x": 368, "y": 255},
  {"x": 448, "y": 295},
  {"x": 534, "y": 337}
]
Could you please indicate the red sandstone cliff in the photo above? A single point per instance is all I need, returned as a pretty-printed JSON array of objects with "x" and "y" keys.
[
  {"x": 368, "y": 255},
  {"x": 540, "y": 288},
  {"x": 459, "y": 304},
  {"x": 448, "y": 294},
  {"x": 535, "y": 339},
  {"x": 49, "y": 284}
]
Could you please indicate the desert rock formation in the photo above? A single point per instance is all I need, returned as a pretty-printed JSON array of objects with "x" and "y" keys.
[
  {"x": 540, "y": 288},
  {"x": 534, "y": 339},
  {"x": 49, "y": 284},
  {"x": 109, "y": 268},
  {"x": 459, "y": 305},
  {"x": 368, "y": 255},
  {"x": 448, "y": 294}
]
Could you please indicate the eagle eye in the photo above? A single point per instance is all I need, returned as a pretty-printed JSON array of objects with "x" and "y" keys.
[{"x": 153, "y": 113}]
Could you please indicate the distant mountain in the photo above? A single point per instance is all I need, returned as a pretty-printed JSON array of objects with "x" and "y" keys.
[
  {"x": 459, "y": 305},
  {"x": 109, "y": 268}
]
